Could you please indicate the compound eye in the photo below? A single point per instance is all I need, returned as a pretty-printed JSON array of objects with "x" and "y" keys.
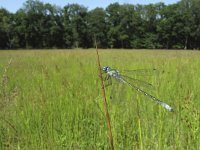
[
  {"x": 107, "y": 68},
  {"x": 104, "y": 68}
]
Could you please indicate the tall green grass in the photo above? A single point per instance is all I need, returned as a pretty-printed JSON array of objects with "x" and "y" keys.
[{"x": 52, "y": 100}]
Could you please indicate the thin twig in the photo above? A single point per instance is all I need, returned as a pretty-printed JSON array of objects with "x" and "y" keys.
[{"x": 104, "y": 99}]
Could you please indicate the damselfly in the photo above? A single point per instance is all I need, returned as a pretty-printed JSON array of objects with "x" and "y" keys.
[{"x": 113, "y": 73}]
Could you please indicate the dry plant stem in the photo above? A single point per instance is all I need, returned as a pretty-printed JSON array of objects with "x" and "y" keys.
[{"x": 105, "y": 102}]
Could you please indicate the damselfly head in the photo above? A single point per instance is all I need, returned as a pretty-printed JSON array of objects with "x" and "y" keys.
[{"x": 106, "y": 69}]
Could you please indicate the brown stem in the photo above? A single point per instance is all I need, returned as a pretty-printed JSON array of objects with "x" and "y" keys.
[{"x": 104, "y": 99}]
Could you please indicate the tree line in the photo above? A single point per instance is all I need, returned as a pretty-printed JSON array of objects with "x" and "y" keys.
[{"x": 39, "y": 25}]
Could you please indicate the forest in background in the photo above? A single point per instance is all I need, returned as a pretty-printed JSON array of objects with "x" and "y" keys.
[{"x": 38, "y": 25}]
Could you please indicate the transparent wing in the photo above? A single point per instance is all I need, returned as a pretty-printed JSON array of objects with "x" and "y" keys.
[
  {"x": 117, "y": 93},
  {"x": 140, "y": 83},
  {"x": 107, "y": 80},
  {"x": 142, "y": 72}
]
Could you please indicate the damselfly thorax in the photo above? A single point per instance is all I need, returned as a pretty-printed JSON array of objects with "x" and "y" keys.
[{"x": 112, "y": 72}]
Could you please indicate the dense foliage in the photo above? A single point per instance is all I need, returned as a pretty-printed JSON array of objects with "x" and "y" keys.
[{"x": 156, "y": 26}]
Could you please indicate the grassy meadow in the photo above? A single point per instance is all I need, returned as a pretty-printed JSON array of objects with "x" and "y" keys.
[{"x": 51, "y": 99}]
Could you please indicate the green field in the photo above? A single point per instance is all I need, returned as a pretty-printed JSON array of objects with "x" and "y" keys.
[{"x": 51, "y": 99}]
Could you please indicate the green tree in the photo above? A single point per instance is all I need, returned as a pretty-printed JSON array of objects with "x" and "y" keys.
[
  {"x": 42, "y": 25},
  {"x": 189, "y": 10},
  {"x": 53, "y": 27},
  {"x": 33, "y": 22},
  {"x": 76, "y": 19},
  {"x": 120, "y": 20},
  {"x": 7, "y": 24},
  {"x": 113, "y": 19},
  {"x": 127, "y": 25},
  {"x": 187, "y": 22},
  {"x": 3, "y": 35},
  {"x": 150, "y": 17},
  {"x": 20, "y": 28},
  {"x": 98, "y": 27}
]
